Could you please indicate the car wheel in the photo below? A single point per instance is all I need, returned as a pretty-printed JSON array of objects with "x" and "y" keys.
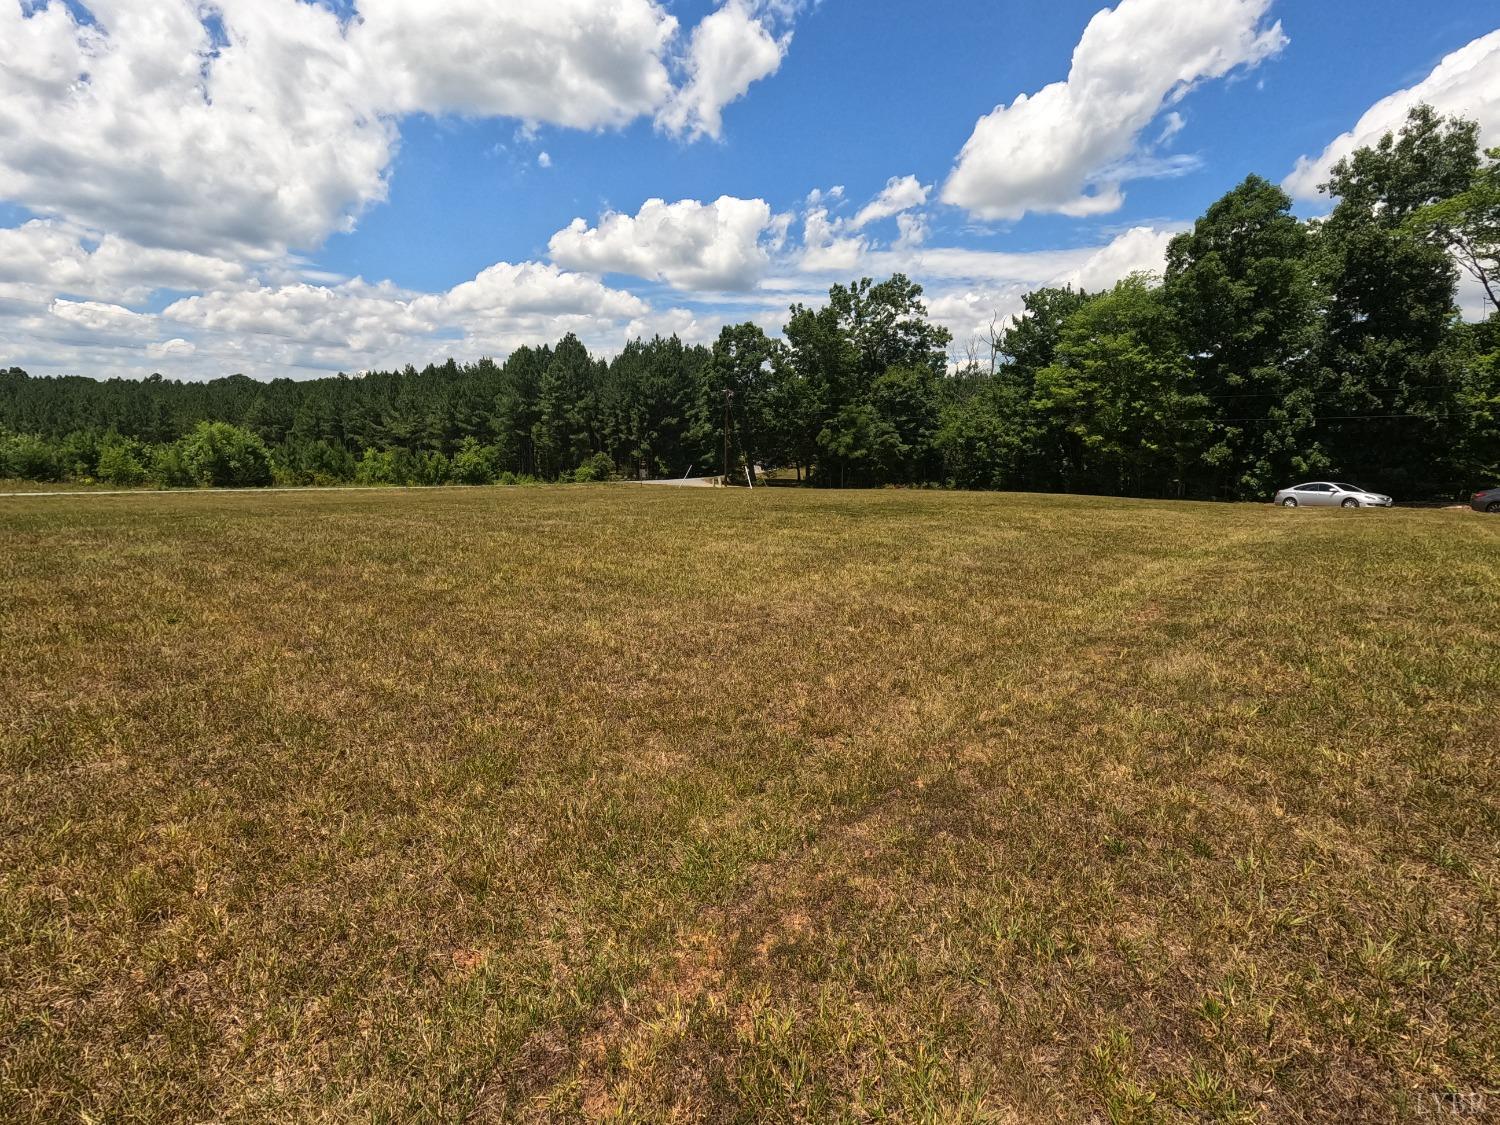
[
  {"x": 1349, "y": 504},
  {"x": 1493, "y": 507},
  {"x": 1289, "y": 502}
]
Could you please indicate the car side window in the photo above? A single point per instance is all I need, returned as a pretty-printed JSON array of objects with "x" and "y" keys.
[{"x": 1315, "y": 488}]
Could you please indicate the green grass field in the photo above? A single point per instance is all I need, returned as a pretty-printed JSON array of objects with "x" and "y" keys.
[{"x": 617, "y": 803}]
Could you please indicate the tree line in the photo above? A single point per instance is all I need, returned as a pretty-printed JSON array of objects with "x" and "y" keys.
[{"x": 1270, "y": 350}]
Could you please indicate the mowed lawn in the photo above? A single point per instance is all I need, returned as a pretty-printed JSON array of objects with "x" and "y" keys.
[{"x": 623, "y": 803}]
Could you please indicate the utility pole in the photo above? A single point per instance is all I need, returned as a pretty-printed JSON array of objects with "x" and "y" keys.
[{"x": 728, "y": 398}]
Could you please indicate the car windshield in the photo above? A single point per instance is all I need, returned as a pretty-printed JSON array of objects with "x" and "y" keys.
[{"x": 1350, "y": 488}]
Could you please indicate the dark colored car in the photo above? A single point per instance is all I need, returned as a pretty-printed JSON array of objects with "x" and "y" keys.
[{"x": 1486, "y": 501}]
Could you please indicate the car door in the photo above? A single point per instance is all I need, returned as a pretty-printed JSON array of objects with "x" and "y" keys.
[{"x": 1317, "y": 495}]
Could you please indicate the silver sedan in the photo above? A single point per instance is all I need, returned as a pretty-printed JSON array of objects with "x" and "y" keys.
[{"x": 1330, "y": 494}]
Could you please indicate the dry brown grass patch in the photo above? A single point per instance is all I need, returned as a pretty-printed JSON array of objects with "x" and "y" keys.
[{"x": 619, "y": 804}]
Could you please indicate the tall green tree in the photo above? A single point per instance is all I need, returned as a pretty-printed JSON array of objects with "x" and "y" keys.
[
  {"x": 1242, "y": 286},
  {"x": 1388, "y": 342},
  {"x": 745, "y": 365},
  {"x": 1041, "y": 444},
  {"x": 839, "y": 352},
  {"x": 563, "y": 434},
  {"x": 1122, "y": 390},
  {"x": 1467, "y": 225},
  {"x": 984, "y": 431},
  {"x": 1477, "y": 429}
]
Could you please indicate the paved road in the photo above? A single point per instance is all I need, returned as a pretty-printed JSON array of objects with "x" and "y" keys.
[
  {"x": 689, "y": 482},
  {"x": 219, "y": 491},
  {"x": 683, "y": 482}
]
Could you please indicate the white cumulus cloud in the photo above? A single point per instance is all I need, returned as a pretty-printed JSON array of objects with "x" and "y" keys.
[
  {"x": 100, "y": 317},
  {"x": 507, "y": 289},
  {"x": 686, "y": 325},
  {"x": 1055, "y": 151},
  {"x": 1138, "y": 250},
  {"x": 729, "y": 51},
  {"x": 355, "y": 316},
  {"x": 147, "y": 126},
  {"x": 1466, "y": 83},
  {"x": 262, "y": 329},
  {"x": 580, "y": 63},
  {"x": 725, "y": 244},
  {"x": 825, "y": 248},
  {"x": 833, "y": 244},
  {"x": 245, "y": 129},
  {"x": 176, "y": 347},
  {"x": 900, "y": 194},
  {"x": 43, "y": 257}
]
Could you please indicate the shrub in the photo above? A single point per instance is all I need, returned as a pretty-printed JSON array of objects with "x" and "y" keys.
[
  {"x": 169, "y": 467},
  {"x": 322, "y": 463},
  {"x": 473, "y": 463},
  {"x": 596, "y": 468},
  {"x": 429, "y": 468},
  {"x": 28, "y": 458},
  {"x": 78, "y": 455},
  {"x": 284, "y": 476},
  {"x": 377, "y": 468},
  {"x": 120, "y": 463},
  {"x": 226, "y": 456}
]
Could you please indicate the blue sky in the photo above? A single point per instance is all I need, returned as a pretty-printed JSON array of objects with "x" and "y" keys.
[
  {"x": 868, "y": 91},
  {"x": 284, "y": 187}
]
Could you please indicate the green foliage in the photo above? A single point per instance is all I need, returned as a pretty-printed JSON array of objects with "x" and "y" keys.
[
  {"x": 121, "y": 463},
  {"x": 28, "y": 457},
  {"x": 855, "y": 420},
  {"x": 78, "y": 455},
  {"x": 1120, "y": 387},
  {"x": 1431, "y": 158},
  {"x": 739, "y": 389},
  {"x": 1242, "y": 287},
  {"x": 908, "y": 401},
  {"x": 1388, "y": 333},
  {"x": 1479, "y": 404},
  {"x": 316, "y": 463},
  {"x": 1030, "y": 343},
  {"x": 597, "y": 468},
  {"x": 473, "y": 463},
  {"x": 170, "y": 467},
  {"x": 1467, "y": 225},
  {"x": 429, "y": 467},
  {"x": 981, "y": 436},
  {"x": 863, "y": 445},
  {"x": 219, "y": 455},
  {"x": 561, "y": 435},
  {"x": 376, "y": 467}
]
